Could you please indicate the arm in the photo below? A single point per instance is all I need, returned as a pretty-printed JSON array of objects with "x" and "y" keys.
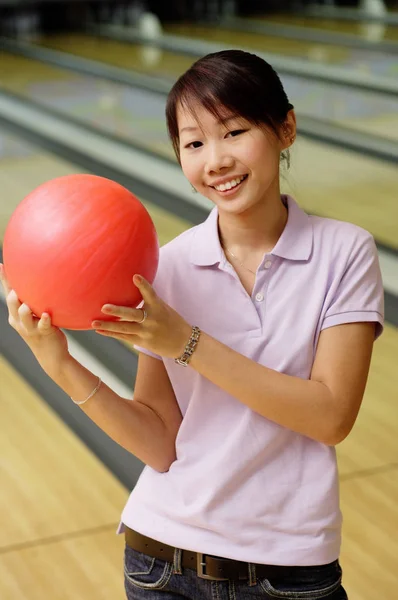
[
  {"x": 324, "y": 407},
  {"x": 146, "y": 426}
]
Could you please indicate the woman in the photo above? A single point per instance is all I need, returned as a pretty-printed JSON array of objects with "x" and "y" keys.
[{"x": 274, "y": 313}]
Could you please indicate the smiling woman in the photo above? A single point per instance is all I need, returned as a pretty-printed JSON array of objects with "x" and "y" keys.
[{"x": 277, "y": 377}]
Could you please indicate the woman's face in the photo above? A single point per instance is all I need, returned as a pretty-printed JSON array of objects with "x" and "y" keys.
[{"x": 238, "y": 156}]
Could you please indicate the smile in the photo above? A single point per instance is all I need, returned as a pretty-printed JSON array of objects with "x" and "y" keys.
[{"x": 230, "y": 186}]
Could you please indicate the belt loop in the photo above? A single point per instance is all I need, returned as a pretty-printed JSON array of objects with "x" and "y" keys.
[
  {"x": 252, "y": 575},
  {"x": 177, "y": 570}
]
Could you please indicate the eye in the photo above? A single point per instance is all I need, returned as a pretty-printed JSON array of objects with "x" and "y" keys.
[
  {"x": 193, "y": 145},
  {"x": 236, "y": 132}
]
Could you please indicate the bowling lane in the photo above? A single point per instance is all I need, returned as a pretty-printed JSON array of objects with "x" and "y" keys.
[
  {"x": 361, "y": 29},
  {"x": 364, "y": 111},
  {"x": 62, "y": 504},
  {"x": 365, "y": 61},
  {"x": 116, "y": 109},
  {"x": 325, "y": 180},
  {"x": 141, "y": 58}
]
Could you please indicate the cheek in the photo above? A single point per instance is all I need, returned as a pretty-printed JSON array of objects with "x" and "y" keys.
[
  {"x": 192, "y": 170},
  {"x": 261, "y": 153},
  {"x": 263, "y": 161},
  {"x": 187, "y": 167}
]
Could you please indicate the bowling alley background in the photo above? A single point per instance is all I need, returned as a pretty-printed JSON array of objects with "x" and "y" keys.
[{"x": 83, "y": 87}]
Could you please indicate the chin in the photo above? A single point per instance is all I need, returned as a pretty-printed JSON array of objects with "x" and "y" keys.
[{"x": 236, "y": 206}]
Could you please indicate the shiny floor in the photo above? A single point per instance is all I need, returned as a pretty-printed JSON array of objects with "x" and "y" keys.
[{"x": 360, "y": 29}]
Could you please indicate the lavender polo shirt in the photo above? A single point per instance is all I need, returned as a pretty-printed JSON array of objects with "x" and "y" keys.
[{"x": 243, "y": 487}]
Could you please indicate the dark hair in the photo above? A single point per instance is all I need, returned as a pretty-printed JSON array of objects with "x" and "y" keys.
[{"x": 240, "y": 82}]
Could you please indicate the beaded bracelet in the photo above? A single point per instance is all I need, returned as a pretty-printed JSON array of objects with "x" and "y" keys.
[{"x": 95, "y": 390}]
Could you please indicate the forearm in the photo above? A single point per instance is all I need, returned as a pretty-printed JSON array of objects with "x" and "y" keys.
[
  {"x": 131, "y": 424},
  {"x": 301, "y": 405}
]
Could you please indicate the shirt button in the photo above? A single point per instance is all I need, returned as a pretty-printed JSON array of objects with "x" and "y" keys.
[
  {"x": 259, "y": 297},
  {"x": 267, "y": 264}
]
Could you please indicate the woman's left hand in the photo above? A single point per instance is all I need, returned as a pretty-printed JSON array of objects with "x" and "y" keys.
[{"x": 163, "y": 332}]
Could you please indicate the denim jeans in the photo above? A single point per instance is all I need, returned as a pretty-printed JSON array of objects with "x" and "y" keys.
[{"x": 148, "y": 578}]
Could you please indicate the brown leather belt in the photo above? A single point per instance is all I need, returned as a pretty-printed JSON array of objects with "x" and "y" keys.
[{"x": 206, "y": 565}]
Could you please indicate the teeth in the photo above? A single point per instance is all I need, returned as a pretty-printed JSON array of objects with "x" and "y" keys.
[{"x": 229, "y": 184}]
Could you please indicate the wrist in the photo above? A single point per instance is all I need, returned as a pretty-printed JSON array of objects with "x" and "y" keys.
[
  {"x": 58, "y": 370},
  {"x": 75, "y": 379},
  {"x": 183, "y": 338},
  {"x": 185, "y": 356}
]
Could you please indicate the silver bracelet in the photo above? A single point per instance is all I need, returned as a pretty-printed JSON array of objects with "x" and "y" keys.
[
  {"x": 184, "y": 359},
  {"x": 95, "y": 390}
]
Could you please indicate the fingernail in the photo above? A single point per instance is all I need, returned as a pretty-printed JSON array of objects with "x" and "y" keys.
[{"x": 138, "y": 278}]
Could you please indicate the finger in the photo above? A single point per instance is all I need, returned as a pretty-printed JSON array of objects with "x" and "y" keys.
[
  {"x": 13, "y": 304},
  {"x": 5, "y": 284},
  {"x": 128, "y": 328},
  {"x": 147, "y": 291},
  {"x": 26, "y": 317},
  {"x": 123, "y": 312},
  {"x": 44, "y": 325},
  {"x": 130, "y": 339}
]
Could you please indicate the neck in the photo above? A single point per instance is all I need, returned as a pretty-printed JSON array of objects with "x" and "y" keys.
[{"x": 256, "y": 230}]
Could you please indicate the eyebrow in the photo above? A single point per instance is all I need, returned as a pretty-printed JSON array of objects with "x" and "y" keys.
[
  {"x": 188, "y": 129},
  {"x": 221, "y": 121}
]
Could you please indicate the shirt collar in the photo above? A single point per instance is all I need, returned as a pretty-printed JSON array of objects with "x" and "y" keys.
[{"x": 295, "y": 242}]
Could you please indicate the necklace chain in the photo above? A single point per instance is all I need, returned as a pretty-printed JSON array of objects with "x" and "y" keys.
[{"x": 241, "y": 264}]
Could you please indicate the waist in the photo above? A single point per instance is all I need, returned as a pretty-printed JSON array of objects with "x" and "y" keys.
[{"x": 207, "y": 566}]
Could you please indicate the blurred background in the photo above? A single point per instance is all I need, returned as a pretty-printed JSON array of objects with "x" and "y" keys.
[{"x": 83, "y": 86}]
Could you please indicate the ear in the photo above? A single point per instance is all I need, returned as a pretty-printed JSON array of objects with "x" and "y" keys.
[{"x": 289, "y": 130}]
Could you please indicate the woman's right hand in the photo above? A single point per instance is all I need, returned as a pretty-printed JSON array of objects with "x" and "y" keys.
[{"x": 47, "y": 342}]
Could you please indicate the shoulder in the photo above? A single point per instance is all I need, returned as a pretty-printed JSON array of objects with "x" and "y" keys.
[
  {"x": 340, "y": 238},
  {"x": 339, "y": 230}
]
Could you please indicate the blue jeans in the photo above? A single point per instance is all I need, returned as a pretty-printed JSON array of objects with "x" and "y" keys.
[{"x": 148, "y": 578}]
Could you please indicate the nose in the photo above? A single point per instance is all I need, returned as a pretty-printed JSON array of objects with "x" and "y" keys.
[{"x": 217, "y": 160}]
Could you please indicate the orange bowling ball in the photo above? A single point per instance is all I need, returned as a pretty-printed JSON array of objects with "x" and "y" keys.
[{"x": 74, "y": 244}]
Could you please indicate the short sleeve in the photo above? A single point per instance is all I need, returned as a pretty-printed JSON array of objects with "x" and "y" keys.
[
  {"x": 148, "y": 352},
  {"x": 359, "y": 295}
]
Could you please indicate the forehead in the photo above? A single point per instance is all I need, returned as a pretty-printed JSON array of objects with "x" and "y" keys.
[{"x": 197, "y": 116}]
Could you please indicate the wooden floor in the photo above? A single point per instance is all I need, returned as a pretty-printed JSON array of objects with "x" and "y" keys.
[
  {"x": 57, "y": 539},
  {"x": 373, "y": 113},
  {"x": 328, "y": 54},
  {"x": 366, "y": 112}
]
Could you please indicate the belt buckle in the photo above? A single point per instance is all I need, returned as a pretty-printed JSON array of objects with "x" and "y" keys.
[{"x": 201, "y": 566}]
